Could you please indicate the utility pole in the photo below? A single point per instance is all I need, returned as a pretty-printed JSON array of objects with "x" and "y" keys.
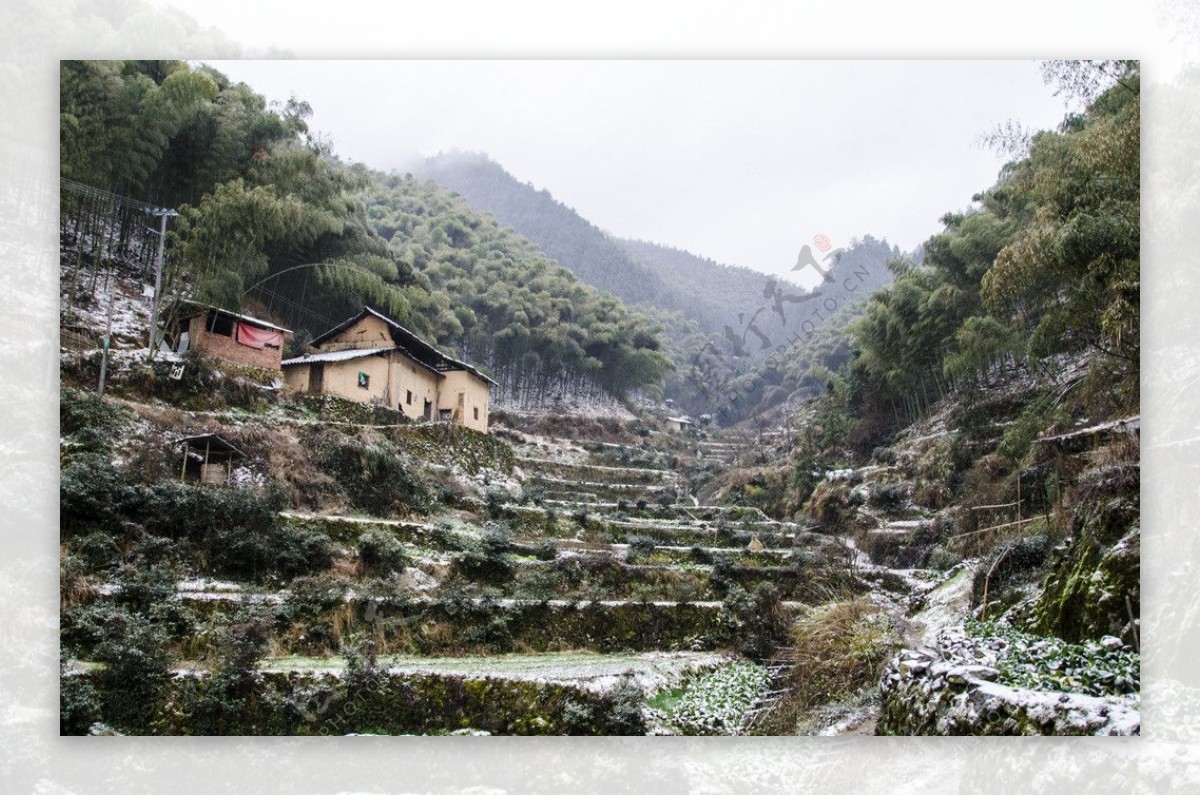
[
  {"x": 112, "y": 283},
  {"x": 163, "y": 215}
]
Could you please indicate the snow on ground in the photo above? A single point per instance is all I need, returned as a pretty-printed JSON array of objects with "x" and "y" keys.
[
  {"x": 945, "y": 605},
  {"x": 593, "y": 671}
]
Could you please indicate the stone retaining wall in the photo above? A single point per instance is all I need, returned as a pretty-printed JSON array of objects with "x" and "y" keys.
[{"x": 951, "y": 689}]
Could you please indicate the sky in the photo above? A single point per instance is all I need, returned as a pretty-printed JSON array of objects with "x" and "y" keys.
[{"x": 741, "y": 161}]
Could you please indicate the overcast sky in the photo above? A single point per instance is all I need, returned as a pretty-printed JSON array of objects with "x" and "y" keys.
[{"x": 740, "y": 161}]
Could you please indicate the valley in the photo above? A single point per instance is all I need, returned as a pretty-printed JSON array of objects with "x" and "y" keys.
[{"x": 406, "y": 461}]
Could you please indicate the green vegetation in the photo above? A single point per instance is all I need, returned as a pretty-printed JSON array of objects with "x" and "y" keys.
[
  {"x": 704, "y": 308},
  {"x": 497, "y": 300},
  {"x": 1046, "y": 663},
  {"x": 1046, "y": 266},
  {"x": 912, "y": 422},
  {"x": 270, "y": 218},
  {"x": 715, "y": 703}
]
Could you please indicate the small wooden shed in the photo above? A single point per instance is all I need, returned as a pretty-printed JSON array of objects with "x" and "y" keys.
[{"x": 208, "y": 458}]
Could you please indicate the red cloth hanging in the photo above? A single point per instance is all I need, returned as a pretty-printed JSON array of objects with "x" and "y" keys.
[{"x": 257, "y": 337}]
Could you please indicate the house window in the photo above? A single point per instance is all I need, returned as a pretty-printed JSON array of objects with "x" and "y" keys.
[
  {"x": 408, "y": 397},
  {"x": 364, "y": 380},
  {"x": 476, "y": 411},
  {"x": 220, "y": 324}
]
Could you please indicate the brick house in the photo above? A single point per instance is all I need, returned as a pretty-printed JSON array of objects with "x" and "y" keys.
[{"x": 229, "y": 336}]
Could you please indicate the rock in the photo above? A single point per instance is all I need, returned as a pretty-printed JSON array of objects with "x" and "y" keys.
[
  {"x": 418, "y": 580},
  {"x": 1111, "y": 643},
  {"x": 982, "y": 672},
  {"x": 957, "y": 675}
]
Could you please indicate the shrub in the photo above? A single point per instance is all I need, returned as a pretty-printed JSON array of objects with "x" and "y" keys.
[
  {"x": 194, "y": 511},
  {"x": 486, "y": 560},
  {"x": 98, "y": 551},
  {"x": 1019, "y": 436},
  {"x": 883, "y": 455},
  {"x": 137, "y": 661},
  {"x": 78, "y": 705},
  {"x": 376, "y": 478},
  {"x": 492, "y": 632},
  {"x": 314, "y": 595},
  {"x": 88, "y": 423},
  {"x": 721, "y": 575},
  {"x": 754, "y": 620},
  {"x": 279, "y": 552},
  {"x": 546, "y": 550},
  {"x": 641, "y": 544},
  {"x": 885, "y": 496},
  {"x": 625, "y": 702},
  {"x": 245, "y": 643},
  {"x": 93, "y": 496},
  {"x": 234, "y": 532},
  {"x": 495, "y": 504},
  {"x": 143, "y": 587},
  {"x": 226, "y": 704},
  {"x": 380, "y": 553}
]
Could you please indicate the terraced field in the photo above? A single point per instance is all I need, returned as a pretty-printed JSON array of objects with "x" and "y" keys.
[{"x": 571, "y": 601}]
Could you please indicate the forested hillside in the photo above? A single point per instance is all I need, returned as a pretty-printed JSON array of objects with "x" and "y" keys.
[
  {"x": 638, "y": 272},
  {"x": 559, "y": 231},
  {"x": 783, "y": 343},
  {"x": 542, "y": 331},
  {"x": 1043, "y": 271},
  {"x": 723, "y": 324},
  {"x": 271, "y": 221}
]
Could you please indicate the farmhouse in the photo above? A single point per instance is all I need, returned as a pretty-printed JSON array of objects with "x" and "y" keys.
[
  {"x": 370, "y": 358},
  {"x": 230, "y": 336}
]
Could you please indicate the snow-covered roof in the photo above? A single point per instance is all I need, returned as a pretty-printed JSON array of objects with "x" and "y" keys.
[
  {"x": 335, "y": 356},
  {"x": 199, "y": 308},
  {"x": 408, "y": 341},
  {"x": 680, "y": 419}
]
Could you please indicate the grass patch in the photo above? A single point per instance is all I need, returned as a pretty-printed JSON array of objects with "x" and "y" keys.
[{"x": 837, "y": 651}]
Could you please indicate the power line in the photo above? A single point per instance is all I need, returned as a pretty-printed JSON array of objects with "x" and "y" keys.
[{"x": 99, "y": 193}]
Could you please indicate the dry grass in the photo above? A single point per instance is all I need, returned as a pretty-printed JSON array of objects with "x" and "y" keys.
[
  {"x": 837, "y": 651},
  {"x": 74, "y": 588},
  {"x": 1125, "y": 449},
  {"x": 346, "y": 568}
]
